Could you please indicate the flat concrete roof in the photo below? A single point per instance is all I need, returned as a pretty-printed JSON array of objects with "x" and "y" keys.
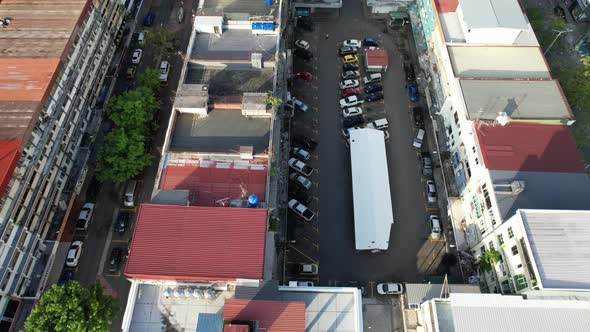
[
  {"x": 229, "y": 82},
  {"x": 233, "y": 45},
  {"x": 493, "y": 14},
  {"x": 251, "y": 7},
  {"x": 498, "y": 62},
  {"x": 220, "y": 131}
]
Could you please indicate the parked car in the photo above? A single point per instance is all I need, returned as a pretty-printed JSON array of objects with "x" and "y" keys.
[
  {"x": 141, "y": 38},
  {"x": 350, "y": 101},
  {"x": 379, "y": 124},
  {"x": 131, "y": 71},
  {"x": 352, "y": 111},
  {"x": 300, "y": 166},
  {"x": 352, "y": 43},
  {"x": 350, "y": 66},
  {"x": 350, "y": 74},
  {"x": 74, "y": 254},
  {"x": 426, "y": 164},
  {"x": 85, "y": 216},
  {"x": 348, "y": 84},
  {"x": 419, "y": 139},
  {"x": 370, "y": 42},
  {"x": 299, "y": 152},
  {"x": 374, "y": 96},
  {"x": 346, "y": 131},
  {"x": 344, "y": 50},
  {"x": 164, "y": 70},
  {"x": 294, "y": 283},
  {"x": 304, "y": 75},
  {"x": 431, "y": 191},
  {"x": 65, "y": 277},
  {"x": 390, "y": 288},
  {"x": 375, "y": 87},
  {"x": 372, "y": 78},
  {"x": 300, "y": 180},
  {"x": 299, "y": 105},
  {"x": 304, "y": 23},
  {"x": 136, "y": 57},
  {"x": 305, "y": 142},
  {"x": 413, "y": 93},
  {"x": 435, "y": 229},
  {"x": 350, "y": 58},
  {"x": 352, "y": 121},
  {"x": 308, "y": 269},
  {"x": 148, "y": 20},
  {"x": 302, "y": 210},
  {"x": 115, "y": 259},
  {"x": 302, "y": 44},
  {"x": 409, "y": 71},
  {"x": 350, "y": 91},
  {"x": 418, "y": 117},
  {"x": 122, "y": 222},
  {"x": 304, "y": 55}
]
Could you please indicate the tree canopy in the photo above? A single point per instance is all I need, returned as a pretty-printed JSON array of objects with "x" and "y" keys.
[
  {"x": 576, "y": 86},
  {"x": 150, "y": 79},
  {"x": 161, "y": 39},
  {"x": 72, "y": 307},
  {"x": 488, "y": 259}
]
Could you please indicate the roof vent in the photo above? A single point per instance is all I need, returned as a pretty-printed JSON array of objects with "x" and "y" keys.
[
  {"x": 503, "y": 118},
  {"x": 205, "y": 88},
  {"x": 177, "y": 292},
  {"x": 513, "y": 188},
  {"x": 198, "y": 293},
  {"x": 168, "y": 292},
  {"x": 188, "y": 292},
  {"x": 210, "y": 294}
]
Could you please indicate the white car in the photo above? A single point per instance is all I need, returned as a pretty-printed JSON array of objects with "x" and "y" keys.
[
  {"x": 350, "y": 101},
  {"x": 164, "y": 70},
  {"x": 302, "y": 44},
  {"x": 136, "y": 57},
  {"x": 308, "y": 269},
  {"x": 141, "y": 38},
  {"x": 435, "y": 229},
  {"x": 302, "y": 210},
  {"x": 299, "y": 152},
  {"x": 352, "y": 43},
  {"x": 346, "y": 131},
  {"x": 390, "y": 288},
  {"x": 301, "y": 180},
  {"x": 300, "y": 105},
  {"x": 74, "y": 254},
  {"x": 300, "y": 166},
  {"x": 431, "y": 191},
  {"x": 85, "y": 216},
  {"x": 348, "y": 84},
  {"x": 351, "y": 111}
]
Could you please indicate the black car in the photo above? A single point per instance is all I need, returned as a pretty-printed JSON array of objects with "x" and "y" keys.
[
  {"x": 426, "y": 164},
  {"x": 305, "y": 142},
  {"x": 349, "y": 67},
  {"x": 304, "y": 55},
  {"x": 374, "y": 96},
  {"x": 304, "y": 24},
  {"x": 409, "y": 70},
  {"x": 344, "y": 50},
  {"x": 418, "y": 117},
  {"x": 375, "y": 87},
  {"x": 370, "y": 42},
  {"x": 352, "y": 121},
  {"x": 122, "y": 222},
  {"x": 302, "y": 197},
  {"x": 115, "y": 259}
]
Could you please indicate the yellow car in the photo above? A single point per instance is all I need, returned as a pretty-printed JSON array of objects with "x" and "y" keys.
[{"x": 350, "y": 58}]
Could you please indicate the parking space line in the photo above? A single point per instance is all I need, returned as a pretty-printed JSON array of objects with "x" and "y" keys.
[
  {"x": 120, "y": 241},
  {"x": 299, "y": 251}
]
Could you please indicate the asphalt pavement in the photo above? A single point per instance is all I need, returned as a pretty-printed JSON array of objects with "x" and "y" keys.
[{"x": 330, "y": 242}]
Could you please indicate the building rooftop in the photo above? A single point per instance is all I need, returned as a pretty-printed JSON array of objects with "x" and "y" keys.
[
  {"x": 493, "y": 14},
  {"x": 418, "y": 293},
  {"x": 230, "y": 82},
  {"x": 9, "y": 156},
  {"x": 229, "y": 7},
  {"x": 521, "y": 100},
  {"x": 272, "y": 316},
  {"x": 233, "y": 44},
  {"x": 216, "y": 183},
  {"x": 498, "y": 62},
  {"x": 559, "y": 242},
  {"x": 192, "y": 96},
  {"x": 528, "y": 147},
  {"x": 494, "y": 312},
  {"x": 220, "y": 131},
  {"x": 377, "y": 57},
  {"x": 172, "y": 242},
  {"x": 446, "y": 6}
]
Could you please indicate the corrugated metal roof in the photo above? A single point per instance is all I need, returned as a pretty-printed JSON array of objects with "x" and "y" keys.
[
  {"x": 446, "y": 6},
  {"x": 559, "y": 242},
  {"x": 377, "y": 58},
  {"x": 498, "y": 62},
  {"x": 528, "y": 147},
  {"x": 9, "y": 156},
  {"x": 418, "y": 293},
  {"x": 271, "y": 315},
  {"x": 493, "y": 14},
  {"x": 173, "y": 242}
]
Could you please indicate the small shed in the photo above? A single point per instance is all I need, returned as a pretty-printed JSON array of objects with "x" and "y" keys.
[{"x": 376, "y": 60}]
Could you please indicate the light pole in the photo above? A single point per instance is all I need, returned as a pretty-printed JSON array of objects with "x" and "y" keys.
[{"x": 559, "y": 33}]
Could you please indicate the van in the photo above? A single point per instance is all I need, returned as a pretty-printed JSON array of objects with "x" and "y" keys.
[
  {"x": 378, "y": 124},
  {"x": 373, "y": 78},
  {"x": 141, "y": 38},
  {"x": 419, "y": 139},
  {"x": 129, "y": 198}
]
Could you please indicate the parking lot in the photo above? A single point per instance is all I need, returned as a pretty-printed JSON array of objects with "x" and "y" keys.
[{"x": 328, "y": 240}]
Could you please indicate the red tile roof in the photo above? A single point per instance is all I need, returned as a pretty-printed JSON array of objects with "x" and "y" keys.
[
  {"x": 9, "y": 156},
  {"x": 236, "y": 328},
  {"x": 528, "y": 147},
  {"x": 377, "y": 57},
  {"x": 214, "y": 183},
  {"x": 446, "y": 6},
  {"x": 172, "y": 242},
  {"x": 272, "y": 316}
]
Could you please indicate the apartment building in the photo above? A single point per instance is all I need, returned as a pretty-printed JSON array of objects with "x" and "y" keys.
[{"x": 54, "y": 58}]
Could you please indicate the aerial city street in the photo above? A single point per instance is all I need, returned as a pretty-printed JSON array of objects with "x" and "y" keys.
[{"x": 294, "y": 165}]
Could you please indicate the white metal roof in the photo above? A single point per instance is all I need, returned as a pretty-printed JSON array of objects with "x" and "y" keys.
[
  {"x": 373, "y": 214},
  {"x": 493, "y": 14},
  {"x": 559, "y": 242}
]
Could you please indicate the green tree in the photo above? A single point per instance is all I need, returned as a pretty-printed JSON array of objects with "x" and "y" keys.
[
  {"x": 122, "y": 156},
  {"x": 273, "y": 100},
  {"x": 488, "y": 259},
  {"x": 150, "y": 79},
  {"x": 72, "y": 307},
  {"x": 133, "y": 109},
  {"x": 161, "y": 39},
  {"x": 576, "y": 86}
]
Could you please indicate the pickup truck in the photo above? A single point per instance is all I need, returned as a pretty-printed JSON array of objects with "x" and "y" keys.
[
  {"x": 301, "y": 210},
  {"x": 300, "y": 166}
]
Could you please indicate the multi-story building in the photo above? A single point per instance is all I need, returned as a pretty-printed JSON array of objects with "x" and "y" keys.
[{"x": 53, "y": 61}]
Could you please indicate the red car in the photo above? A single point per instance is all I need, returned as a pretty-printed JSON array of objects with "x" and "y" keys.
[
  {"x": 304, "y": 75},
  {"x": 350, "y": 92}
]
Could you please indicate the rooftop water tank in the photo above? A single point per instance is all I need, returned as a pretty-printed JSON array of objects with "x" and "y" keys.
[{"x": 253, "y": 200}]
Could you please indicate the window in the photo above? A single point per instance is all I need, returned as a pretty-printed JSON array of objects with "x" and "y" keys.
[
  {"x": 473, "y": 149},
  {"x": 491, "y": 244},
  {"x": 510, "y": 232},
  {"x": 456, "y": 119},
  {"x": 518, "y": 266},
  {"x": 514, "y": 250},
  {"x": 501, "y": 239},
  {"x": 477, "y": 161}
]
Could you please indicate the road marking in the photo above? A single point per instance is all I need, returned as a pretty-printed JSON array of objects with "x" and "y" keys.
[{"x": 299, "y": 251}]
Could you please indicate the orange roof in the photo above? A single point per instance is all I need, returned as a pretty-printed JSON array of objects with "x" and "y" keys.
[
  {"x": 9, "y": 156},
  {"x": 272, "y": 316},
  {"x": 377, "y": 58}
]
